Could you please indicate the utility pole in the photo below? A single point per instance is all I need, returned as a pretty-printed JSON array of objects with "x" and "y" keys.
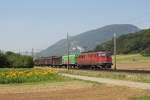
[
  {"x": 115, "y": 51},
  {"x": 19, "y": 52},
  {"x": 32, "y": 53},
  {"x": 68, "y": 51}
]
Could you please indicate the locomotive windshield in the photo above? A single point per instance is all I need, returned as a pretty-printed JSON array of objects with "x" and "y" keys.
[{"x": 104, "y": 53}]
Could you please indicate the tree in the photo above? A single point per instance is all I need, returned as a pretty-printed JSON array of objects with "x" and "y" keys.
[
  {"x": 14, "y": 60},
  {"x": 3, "y": 60},
  {"x": 130, "y": 43}
]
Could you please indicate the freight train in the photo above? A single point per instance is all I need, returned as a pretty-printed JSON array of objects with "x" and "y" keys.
[{"x": 92, "y": 60}]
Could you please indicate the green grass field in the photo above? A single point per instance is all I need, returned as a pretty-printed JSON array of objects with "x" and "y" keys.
[
  {"x": 133, "y": 58},
  {"x": 141, "y": 98}
]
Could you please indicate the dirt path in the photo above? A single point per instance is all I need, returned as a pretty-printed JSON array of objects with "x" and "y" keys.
[{"x": 112, "y": 81}]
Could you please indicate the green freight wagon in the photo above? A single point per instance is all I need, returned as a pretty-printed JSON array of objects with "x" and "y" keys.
[{"x": 72, "y": 60}]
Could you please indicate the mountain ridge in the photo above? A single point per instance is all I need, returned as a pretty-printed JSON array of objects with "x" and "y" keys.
[{"x": 89, "y": 39}]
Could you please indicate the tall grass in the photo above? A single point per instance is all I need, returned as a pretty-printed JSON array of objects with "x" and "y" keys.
[
  {"x": 141, "y": 98},
  {"x": 112, "y": 75}
]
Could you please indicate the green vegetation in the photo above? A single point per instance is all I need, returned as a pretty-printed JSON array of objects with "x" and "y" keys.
[
  {"x": 14, "y": 60},
  {"x": 111, "y": 75},
  {"x": 3, "y": 60},
  {"x": 141, "y": 98},
  {"x": 130, "y": 43},
  {"x": 29, "y": 75},
  {"x": 132, "y": 58}
]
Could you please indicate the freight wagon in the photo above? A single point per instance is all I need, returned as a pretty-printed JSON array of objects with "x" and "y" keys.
[
  {"x": 43, "y": 61},
  {"x": 48, "y": 61},
  {"x": 72, "y": 60}
]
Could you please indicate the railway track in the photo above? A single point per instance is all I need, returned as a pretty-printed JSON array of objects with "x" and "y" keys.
[
  {"x": 128, "y": 71},
  {"x": 112, "y": 70},
  {"x": 121, "y": 70}
]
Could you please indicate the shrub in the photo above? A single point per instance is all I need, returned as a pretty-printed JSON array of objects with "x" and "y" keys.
[
  {"x": 146, "y": 52},
  {"x": 3, "y": 60},
  {"x": 14, "y": 60}
]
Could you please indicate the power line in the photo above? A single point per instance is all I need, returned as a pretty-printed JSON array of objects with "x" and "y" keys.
[
  {"x": 32, "y": 52},
  {"x": 68, "y": 51}
]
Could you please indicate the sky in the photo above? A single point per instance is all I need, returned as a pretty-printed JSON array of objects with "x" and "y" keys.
[{"x": 27, "y": 24}]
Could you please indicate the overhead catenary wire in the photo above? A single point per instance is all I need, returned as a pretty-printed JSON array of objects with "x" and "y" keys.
[
  {"x": 115, "y": 67},
  {"x": 68, "y": 53}
]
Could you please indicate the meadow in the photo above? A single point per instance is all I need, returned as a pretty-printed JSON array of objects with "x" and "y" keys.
[
  {"x": 49, "y": 83},
  {"x": 133, "y": 62},
  {"x": 133, "y": 58}
]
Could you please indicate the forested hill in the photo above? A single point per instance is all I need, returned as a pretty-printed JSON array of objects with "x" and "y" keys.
[{"x": 138, "y": 42}]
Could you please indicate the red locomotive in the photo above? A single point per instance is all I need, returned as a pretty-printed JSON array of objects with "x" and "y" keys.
[{"x": 100, "y": 60}]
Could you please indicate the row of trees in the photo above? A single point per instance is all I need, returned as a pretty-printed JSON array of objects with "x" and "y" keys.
[
  {"x": 131, "y": 43},
  {"x": 14, "y": 60}
]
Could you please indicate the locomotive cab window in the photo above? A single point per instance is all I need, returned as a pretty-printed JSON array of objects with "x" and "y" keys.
[{"x": 101, "y": 54}]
